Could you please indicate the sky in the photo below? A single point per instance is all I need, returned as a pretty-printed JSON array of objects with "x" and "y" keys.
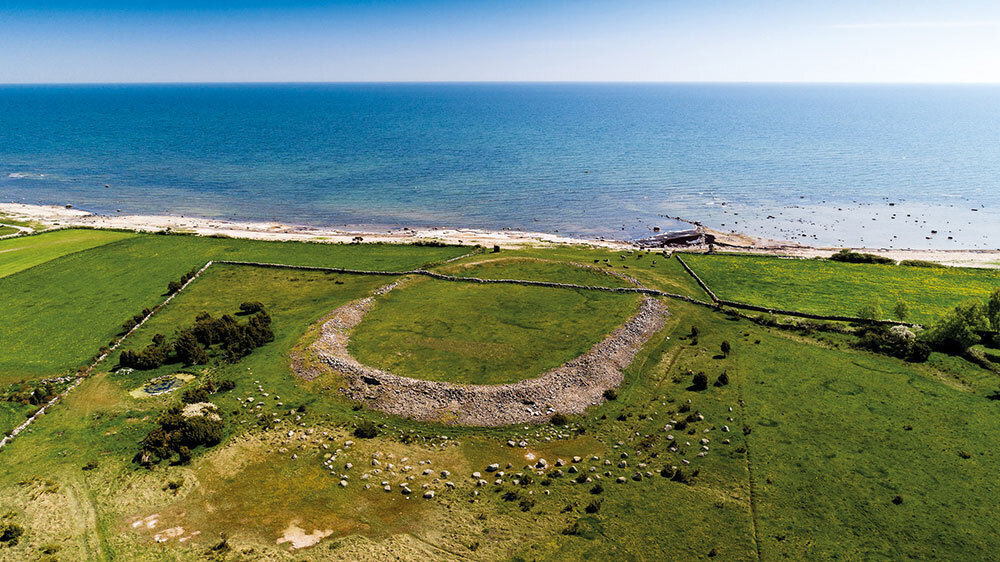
[{"x": 514, "y": 40}]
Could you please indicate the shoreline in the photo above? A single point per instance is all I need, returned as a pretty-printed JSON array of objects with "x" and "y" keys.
[{"x": 51, "y": 216}]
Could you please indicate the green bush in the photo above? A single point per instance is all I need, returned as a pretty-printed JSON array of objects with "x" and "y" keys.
[
  {"x": 366, "y": 430},
  {"x": 251, "y": 307},
  {"x": 960, "y": 329},
  {"x": 10, "y": 533},
  {"x": 559, "y": 419},
  {"x": 610, "y": 394},
  {"x": 699, "y": 382},
  {"x": 848, "y": 256},
  {"x": 921, "y": 263}
]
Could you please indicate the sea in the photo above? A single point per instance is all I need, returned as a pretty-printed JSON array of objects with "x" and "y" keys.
[{"x": 901, "y": 166}]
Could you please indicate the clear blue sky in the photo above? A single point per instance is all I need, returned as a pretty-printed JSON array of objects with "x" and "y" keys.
[{"x": 471, "y": 40}]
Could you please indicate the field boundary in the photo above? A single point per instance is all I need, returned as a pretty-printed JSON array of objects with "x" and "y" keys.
[
  {"x": 697, "y": 279},
  {"x": 443, "y": 277},
  {"x": 434, "y": 275}
]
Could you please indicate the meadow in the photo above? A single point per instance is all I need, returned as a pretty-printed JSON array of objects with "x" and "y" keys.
[
  {"x": 57, "y": 314},
  {"x": 829, "y": 287},
  {"x": 17, "y": 254},
  {"x": 813, "y": 449},
  {"x": 484, "y": 334}
]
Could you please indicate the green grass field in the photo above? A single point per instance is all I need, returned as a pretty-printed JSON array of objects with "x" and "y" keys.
[
  {"x": 533, "y": 269},
  {"x": 5, "y": 230},
  {"x": 17, "y": 254},
  {"x": 59, "y": 313},
  {"x": 484, "y": 334},
  {"x": 821, "y": 437},
  {"x": 536, "y": 264},
  {"x": 828, "y": 287}
]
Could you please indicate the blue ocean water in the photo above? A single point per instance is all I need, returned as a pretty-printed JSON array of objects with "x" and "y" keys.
[{"x": 814, "y": 163}]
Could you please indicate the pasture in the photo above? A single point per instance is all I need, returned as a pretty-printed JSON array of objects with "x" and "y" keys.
[
  {"x": 60, "y": 312},
  {"x": 18, "y": 254},
  {"x": 484, "y": 334},
  {"x": 807, "y": 449},
  {"x": 828, "y": 287}
]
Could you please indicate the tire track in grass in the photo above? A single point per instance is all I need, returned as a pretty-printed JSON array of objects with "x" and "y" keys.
[{"x": 750, "y": 478}]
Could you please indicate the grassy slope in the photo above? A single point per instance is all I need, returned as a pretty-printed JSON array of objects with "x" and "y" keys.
[
  {"x": 5, "y": 230},
  {"x": 652, "y": 269},
  {"x": 828, "y": 451},
  {"x": 827, "y": 287},
  {"x": 484, "y": 334},
  {"x": 59, "y": 313},
  {"x": 17, "y": 254},
  {"x": 532, "y": 269},
  {"x": 12, "y": 414}
]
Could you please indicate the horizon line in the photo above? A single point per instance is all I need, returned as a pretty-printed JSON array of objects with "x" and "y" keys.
[{"x": 458, "y": 82}]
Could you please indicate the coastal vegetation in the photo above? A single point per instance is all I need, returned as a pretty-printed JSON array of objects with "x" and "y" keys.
[{"x": 802, "y": 442}]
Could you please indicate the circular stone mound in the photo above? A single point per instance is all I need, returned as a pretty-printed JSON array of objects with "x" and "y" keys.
[{"x": 567, "y": 388}]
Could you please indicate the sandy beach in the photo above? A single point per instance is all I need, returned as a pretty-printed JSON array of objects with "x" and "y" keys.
[{"x": 46, "y": 216}]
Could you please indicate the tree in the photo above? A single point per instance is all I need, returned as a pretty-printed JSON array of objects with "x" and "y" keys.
[
  {"x": 188, "y": 350},
  {"x": 993, "y": 311},
  {"x": 870, "y": 312},
  {"x": 699, "y": 381},
  {"x": 173, "y": 287},
  {"x": 726, "y": 348},
  {"x": 959, "y": 330},
  {"x": 902, "y": 310}
]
